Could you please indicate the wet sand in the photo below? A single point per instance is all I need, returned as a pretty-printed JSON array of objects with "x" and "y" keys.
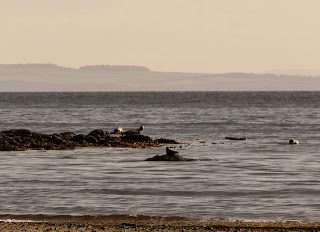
[{"x": 142, "y": 223}]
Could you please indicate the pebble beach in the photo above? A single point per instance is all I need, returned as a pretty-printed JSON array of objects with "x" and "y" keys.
[{"x": 151, "y": 225}]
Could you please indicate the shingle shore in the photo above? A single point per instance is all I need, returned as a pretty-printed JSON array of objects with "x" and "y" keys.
[{"x": 163, "y": 225}]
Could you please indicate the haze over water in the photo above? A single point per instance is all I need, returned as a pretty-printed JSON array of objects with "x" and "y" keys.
[{"x": 263, "y": 178}]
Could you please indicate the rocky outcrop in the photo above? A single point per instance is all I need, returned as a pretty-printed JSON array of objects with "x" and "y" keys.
[{"x": 23, "y": 139}]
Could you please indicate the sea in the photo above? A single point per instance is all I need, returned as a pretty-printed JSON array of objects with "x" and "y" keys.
[{"x": 263, "y": 178}]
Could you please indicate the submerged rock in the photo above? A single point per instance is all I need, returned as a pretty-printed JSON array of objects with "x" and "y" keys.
[
  {"x": 174, "y": 157},
  {"x": 237, "y": 138},
  {"x": 170, "y": 155},
  {"x": 167, "y": 141}
]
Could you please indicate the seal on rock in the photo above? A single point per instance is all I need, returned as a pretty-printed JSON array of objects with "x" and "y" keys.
[
  {"x": 118, "y": 130},
  {"x": 135, "y": 131}
]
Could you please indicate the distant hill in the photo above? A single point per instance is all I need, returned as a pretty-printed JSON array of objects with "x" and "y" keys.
[
  {"x": 51, "y": 77},
  {"x": 54, "y": 67},
  {"x": 117, "y": 68},
  {"x": 27, "y": 67}
]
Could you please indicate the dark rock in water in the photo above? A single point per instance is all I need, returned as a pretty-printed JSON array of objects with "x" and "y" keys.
[
  {"x": 78, "y": 138},
  {"x": 137, "y": 138},
  {"x": 99, "y": 134},
  {"x": 18, "y": 132},
  {"x": 22, "y": 139},
  {"x": 67, "y": 135},
  {"x": 7, "y": 147},
  {"x": 174, "y": 157},
  {"x": 167, "y": 141},
  {"x": 237, "y": 138},
  {"x": 91, "y": 139},
  {"x": 56, "y": 138}
]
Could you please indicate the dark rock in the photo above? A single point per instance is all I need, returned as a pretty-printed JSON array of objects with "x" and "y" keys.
[
  {"x": 83, "y": 143},
  {"x": 137, "y": 138},
  {"x": 18, "y": 132},
  {"x": 78, "y": 138},
  {"x": 67, "y": 135},
  {"x": 7, "y": 147},
  {"x": 22, "y": 139},
  {"x": 174, "y": 157},
  {"x": 91, "y": 139},
  {"x": 167, "y": 141},
  {"x": 103, "y": 142},
  {"x": 237, "y": 138},
  {"x": 55, "y": 138},
  {"x": 99, "y": 134}
]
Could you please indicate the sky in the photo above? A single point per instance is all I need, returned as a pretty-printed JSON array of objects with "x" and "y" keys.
[{"x": 206, "y": 36}]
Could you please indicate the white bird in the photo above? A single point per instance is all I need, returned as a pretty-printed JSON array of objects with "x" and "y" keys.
[{"x": 135, "y": 131}]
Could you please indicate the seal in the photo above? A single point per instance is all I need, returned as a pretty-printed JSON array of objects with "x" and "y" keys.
[
  {"x": 294, "y": 141},
  {"x": 118, "y": 130},
  {"x": 170, "y": 152},
  {"x": 135, "y": 131}
]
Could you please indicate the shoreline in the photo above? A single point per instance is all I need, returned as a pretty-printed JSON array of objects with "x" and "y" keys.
[{"x": 97, "y": 223}]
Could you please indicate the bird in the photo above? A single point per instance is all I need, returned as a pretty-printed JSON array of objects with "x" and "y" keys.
[
  {"x": 135, "y": 131},
  {"x": 170, "y": 152},
  {"x": 119, "y": 130}
]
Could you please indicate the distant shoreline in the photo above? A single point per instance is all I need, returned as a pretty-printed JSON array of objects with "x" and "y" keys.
[
  {"x": 172, "y": 91},
  {"x": 51, "y": 77}
]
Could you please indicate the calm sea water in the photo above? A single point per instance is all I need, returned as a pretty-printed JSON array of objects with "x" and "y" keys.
[{"x": 262, "y": 178}]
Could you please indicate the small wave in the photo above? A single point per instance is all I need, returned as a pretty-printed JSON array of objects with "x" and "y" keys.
[{"x": 74, "y": 218}]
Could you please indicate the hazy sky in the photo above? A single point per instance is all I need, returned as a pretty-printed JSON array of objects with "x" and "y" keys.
[{"x": 164, "y": 35}]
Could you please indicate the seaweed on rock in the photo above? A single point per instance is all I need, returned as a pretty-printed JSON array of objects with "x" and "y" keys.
[{"x": 23, "y": 139}]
